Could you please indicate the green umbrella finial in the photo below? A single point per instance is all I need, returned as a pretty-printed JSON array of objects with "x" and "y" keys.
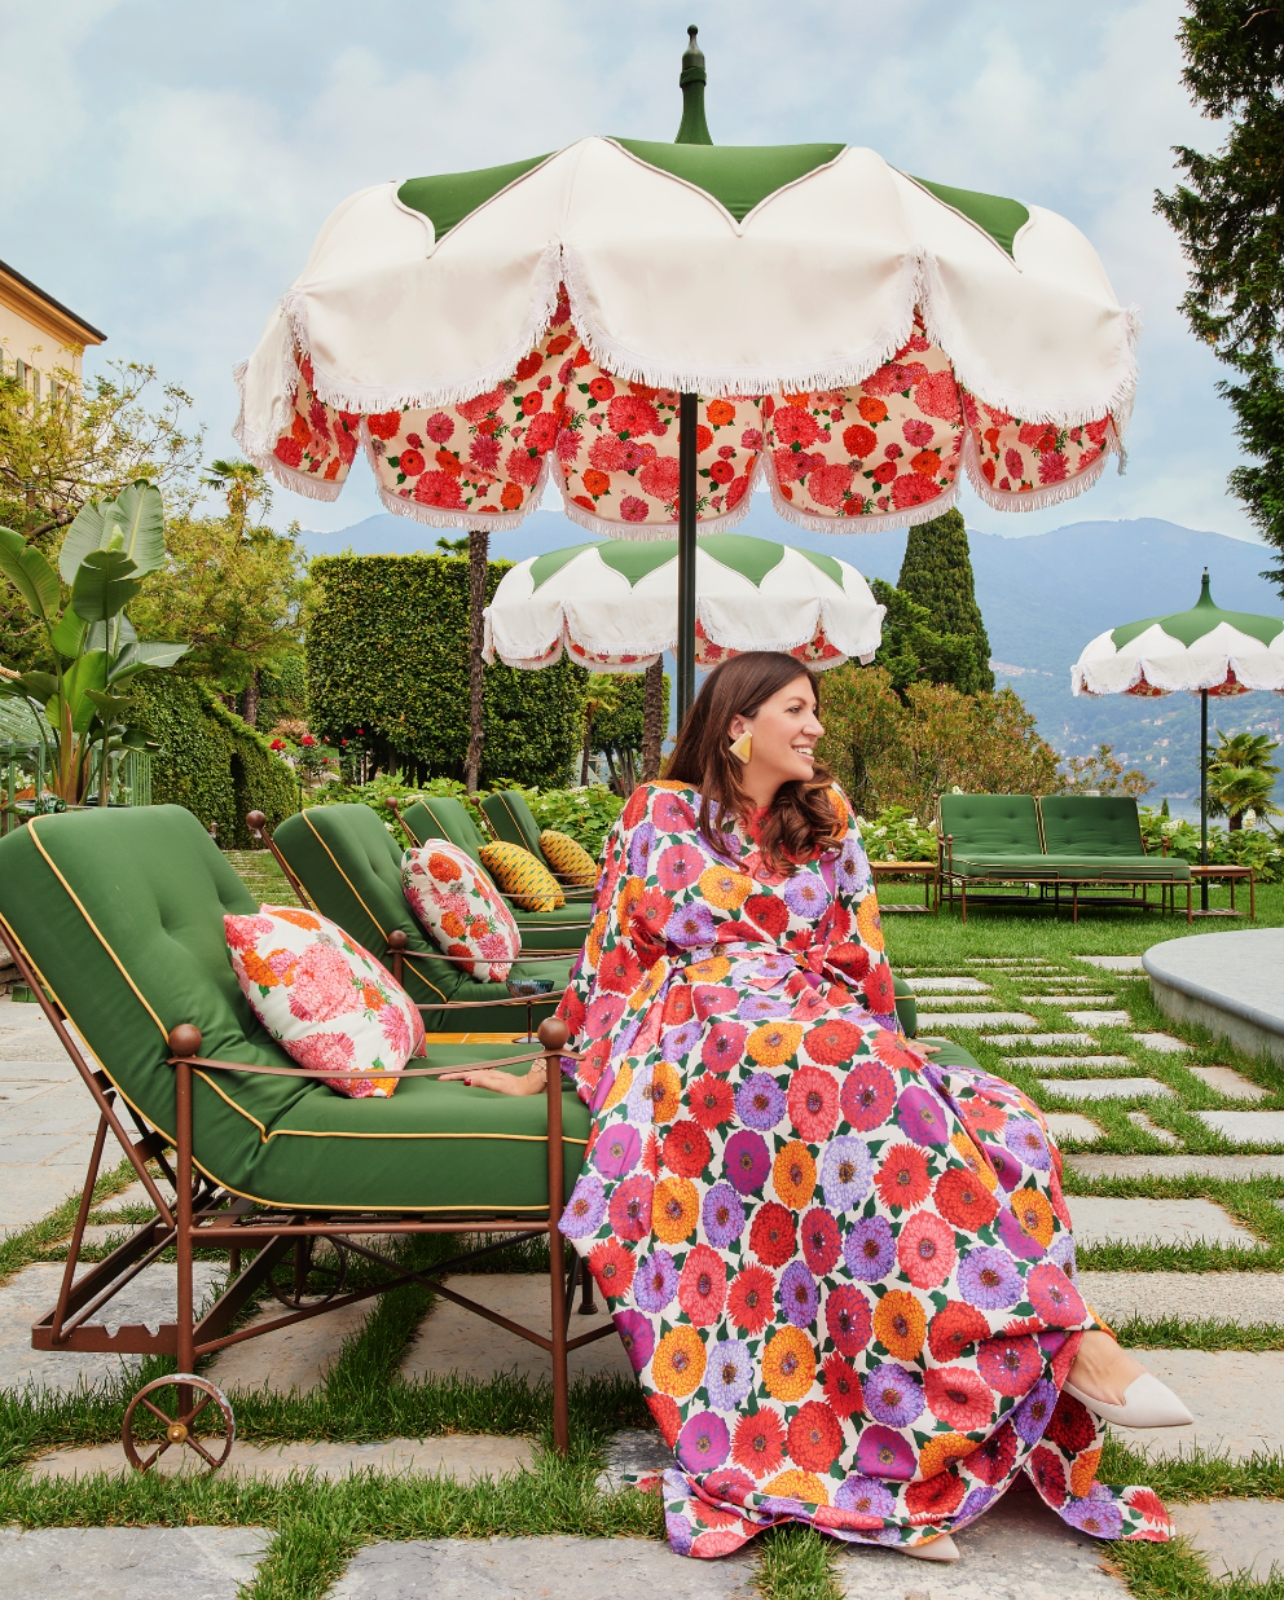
[
  {"x": 1205, "y": 593},
  {"x": 694, "y": 128}
]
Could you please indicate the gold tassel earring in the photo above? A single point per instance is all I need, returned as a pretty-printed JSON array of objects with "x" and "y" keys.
[{"x": 742, "y": 749}]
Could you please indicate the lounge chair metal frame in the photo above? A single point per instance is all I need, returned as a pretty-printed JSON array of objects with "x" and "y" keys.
[{"x": 204, "y": 1214}]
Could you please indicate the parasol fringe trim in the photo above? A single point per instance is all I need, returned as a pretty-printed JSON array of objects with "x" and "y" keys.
[
  {"x": 872, "y": 522},
  {"x": 1050, "y": 494},
  {"x": 646, "y": 532},
  {"x": 1160, "y": 680},
  {"x": 447, "y": 516}
]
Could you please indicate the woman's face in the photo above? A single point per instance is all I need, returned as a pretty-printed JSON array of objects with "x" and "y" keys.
[{"x": 785, "y": 731}]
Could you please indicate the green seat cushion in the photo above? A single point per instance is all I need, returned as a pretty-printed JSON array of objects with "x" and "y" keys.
[
  {"x": 513, "y": 821},
  {"x": 998, "y": 867},
  {"x": 1061, "y": 869},
  {"x": 988, "y": 825},
  {"x": 906, "y": 1007},
  {"x": 350, "y": 866},
  {"x": 1091, "y": 825},
  {"x": 443, "y": 817},
  {"x": 121, "y": 911}
]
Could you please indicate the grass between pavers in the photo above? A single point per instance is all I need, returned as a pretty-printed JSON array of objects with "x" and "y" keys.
[
  {"x": 20, "y": 1249},
  {"x": 259, "y": 871}
]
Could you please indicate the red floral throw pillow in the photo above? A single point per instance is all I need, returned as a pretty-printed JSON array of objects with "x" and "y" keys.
[{"x": 328, "y": 1003}]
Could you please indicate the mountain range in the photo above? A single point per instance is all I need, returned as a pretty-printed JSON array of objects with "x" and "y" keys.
[{"x": 1042, "y": 597}]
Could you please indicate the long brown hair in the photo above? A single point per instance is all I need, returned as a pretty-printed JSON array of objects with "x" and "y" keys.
[{"x": 801, "y": 821}]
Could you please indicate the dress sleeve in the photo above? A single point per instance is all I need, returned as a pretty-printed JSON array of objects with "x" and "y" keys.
[{"x": 856, "y": 947}]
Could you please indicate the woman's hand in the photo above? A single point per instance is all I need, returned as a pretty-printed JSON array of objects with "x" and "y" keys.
[{"x": 532, "y": 1082}]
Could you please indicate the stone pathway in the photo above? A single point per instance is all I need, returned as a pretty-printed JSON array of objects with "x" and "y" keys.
[
  {"x": 1060, "y": 1063},
  {"x": 1114, "y": 963},
  {"x": 1041, "y": 1041},
  {"x": 974, "y": 1020},
  {"x": 1070, "y": 1125},
  {"x": 1235, "y": 1169},
  {"x": 465, "y": 1457},
  {"x": 1246, "y": 1127},
  {"x": 1226, "y": 1081},
  {"x": 1242, "y": 1297},
  {"x": 130, "y": 1563},
  {"x": 1104, "y": 1088},
  {"x": 1237, "y": 1538},
  {"x": 1099, "y": 1219},
  {"x": 297, "y": 1357},
  {"x": 1101, "y": 1019},
  {"x": 1163, "y": 1042}
]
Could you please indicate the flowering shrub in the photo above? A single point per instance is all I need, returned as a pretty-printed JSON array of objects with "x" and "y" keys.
[
  {"x": 1246, "y": 847},
  {"x": 894, "y": 835}
]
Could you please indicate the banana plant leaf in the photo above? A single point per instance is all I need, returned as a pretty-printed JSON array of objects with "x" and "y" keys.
[
  {"x": 133, "y": 523},
  {"x": 29, "y": 572},
  {"x": 105, "y": 582}
]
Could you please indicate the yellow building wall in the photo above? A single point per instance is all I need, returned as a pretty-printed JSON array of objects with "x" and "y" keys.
[{"x": 37, "y": 335}]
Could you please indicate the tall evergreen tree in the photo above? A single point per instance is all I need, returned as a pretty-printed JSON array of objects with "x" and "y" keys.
[
  {"x": 1229, "y": 216},
  {"x": 937, "y": 574}
]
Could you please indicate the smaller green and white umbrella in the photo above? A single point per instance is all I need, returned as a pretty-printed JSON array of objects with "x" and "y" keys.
[
  {"x": 1204, "y": 651},
  {"x": 612, "y": 606}
]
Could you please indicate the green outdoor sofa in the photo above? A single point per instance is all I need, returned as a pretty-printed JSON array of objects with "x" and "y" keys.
[
  {"x": 348, "y": 866},
  {"x": 444, "y": 817},
  {"x": 513, "y": 821},
  {"x": 1074, "y": 842},
  {"x": 115, "y": 919}
]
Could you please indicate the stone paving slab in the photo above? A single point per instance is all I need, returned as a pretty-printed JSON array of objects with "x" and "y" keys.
[
  {"x": 1139, "y": 1119},
  {"x": 1070, "y": 1125},
  {"x": 1066, "y": 999},
  {"x": 631, "y": 1453},
  {"x": 558, "y": 1568},
  {"x": 1238, "y": 1538},
  {"x": 1100, "y": 1019},
  {"x": 130, "y": 1563},
  {"x": 298, "y": 1357},
  {"x": 1246, "y": 1127},
  {"x": 1103, "y": 1088},
  {"x": 1008, "y": 961},
  {"x": 1241, "y": 1297},
  {"x": 1098, "y": 1218},
  {"x": 151, "y": 1299},
  {"x": 1235, "y": 1396},
  {"x": 451, "y": 1339},
  {"x": 1006, "y": 1041},
  {"x": 953, "y": 1001},
  {"x": 1019, "y": 1550},
  {"x": 1114, "y": 963},
  {"x": 1063, "y": 1063},
  {"x": 976, "y": 1020},
  {"x": 1234, "y": 1168},
  {"x": 1163, "y": 1042},
  {"x": 949, "y": 985},
  {"x": 464, "y": 1457},
  {"x": 1226, "y": 1081}
]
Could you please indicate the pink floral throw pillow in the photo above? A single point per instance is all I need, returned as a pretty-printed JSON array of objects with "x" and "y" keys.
[
  {"x": 459, "y": 910},
  {"x": 328, "y": 1002}
]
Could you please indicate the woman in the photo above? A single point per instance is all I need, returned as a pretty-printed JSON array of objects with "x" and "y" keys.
[{"x": 841, "y": 1269}]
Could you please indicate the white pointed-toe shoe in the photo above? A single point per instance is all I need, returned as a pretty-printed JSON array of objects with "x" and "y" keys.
[
  {"x": 942, "y": 1549},
  {"x": 1147, "y": 1404}
]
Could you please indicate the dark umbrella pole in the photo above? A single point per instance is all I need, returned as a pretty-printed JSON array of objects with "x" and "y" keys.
[
  {"x": 686, "y": 553},
  {"x": 1203, "y": 795}
]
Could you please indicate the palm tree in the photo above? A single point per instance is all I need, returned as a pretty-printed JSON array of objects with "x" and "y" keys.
[
  {"x": 603, "y": 695},
  {"x": 1241, "y": 777}
]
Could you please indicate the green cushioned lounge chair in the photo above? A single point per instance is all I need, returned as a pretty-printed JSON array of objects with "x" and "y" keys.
[
  {"x": 1064, "y": 841},
  {"x": 438, "y": 817},
  {"x": 513, "y": 821},
  {"x": 115, "y": 919},
  {"x": 343, "y": 861}
]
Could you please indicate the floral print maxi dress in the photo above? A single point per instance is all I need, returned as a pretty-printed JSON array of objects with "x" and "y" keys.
[{"x": 843, "y": 1274}]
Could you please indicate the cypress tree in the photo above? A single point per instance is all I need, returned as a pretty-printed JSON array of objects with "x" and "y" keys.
[{"x": 937, "y": 574}]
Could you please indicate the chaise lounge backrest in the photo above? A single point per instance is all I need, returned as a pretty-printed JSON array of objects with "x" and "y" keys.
[
  {"x": 988, "y": 825},
  {"x": 513, "y": 820},
  {"x": 444, "y": 817},
  {"x": 120, "y": 912},
  {"x": 1091, "y": 825}
]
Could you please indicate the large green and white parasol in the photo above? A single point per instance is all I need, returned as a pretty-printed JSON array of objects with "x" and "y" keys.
[
  {"x": 1204, "y": 651},
  {"x": 653, "y": 327},
  {"x": 612, "y": 607}
]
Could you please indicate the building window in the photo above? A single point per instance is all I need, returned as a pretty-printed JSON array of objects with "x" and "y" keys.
[{"x": 35, "y": 383}]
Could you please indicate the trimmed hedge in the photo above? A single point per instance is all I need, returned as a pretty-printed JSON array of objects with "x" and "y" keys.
[
  {"x": 388, "y": 663},
  {"x": 210, "y": 761}
]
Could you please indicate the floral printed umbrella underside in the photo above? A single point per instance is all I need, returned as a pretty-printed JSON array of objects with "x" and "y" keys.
[
  {"x": 613, "y": 607},
  {"x": 862, "y": 337}
]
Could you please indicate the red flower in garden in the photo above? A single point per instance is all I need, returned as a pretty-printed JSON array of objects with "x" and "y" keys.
[
  {"x": 277, "y": 744},
  {"x": 307, "y": 739},
  {"x": 815, "y": 1436},
  {"x": 771, "y": 1238},
  {"x": 702, "y": 1286},
  {"x": 686, "y": 1150},
  {"x": 842, "y": 1386},
  {"x": 752, "y": 1299}
]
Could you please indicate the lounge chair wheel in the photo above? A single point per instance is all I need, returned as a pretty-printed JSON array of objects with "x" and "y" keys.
[
  {"x": 193, "y": 1414},
  {"x": 307, "y": 1282}
]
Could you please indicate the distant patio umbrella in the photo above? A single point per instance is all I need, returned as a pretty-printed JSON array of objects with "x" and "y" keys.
[
  {"x": 612, "y": 607},
  {"x": 1205, "y": 651},
  {"x": 654, "y": 326}
]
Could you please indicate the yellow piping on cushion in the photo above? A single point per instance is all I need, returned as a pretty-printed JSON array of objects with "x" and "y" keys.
[
  {"x": 407, "y": 955},
  {"x": 142, "y": 999}
]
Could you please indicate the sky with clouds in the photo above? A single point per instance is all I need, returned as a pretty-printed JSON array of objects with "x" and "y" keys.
[{"x": 167, "y": 164}]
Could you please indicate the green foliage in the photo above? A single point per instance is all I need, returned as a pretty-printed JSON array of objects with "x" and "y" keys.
[
  {"x": 1101, "y": 773},
  {"x": 283, "y": 690},
  {"x": 908, "y": 750},
  {"x": 913, "y": 651},
  {"x": 1244, "y": 847},
  {"x": 893, "y": 834},
  {"x": 386, "y": 786},
  {"x": 936, "y": 572},
  {"x": 388, "y": 661},
  {"x": 587, "y": 815},
  {"x": 1241, "y": 777},
  {"x": 210, "y": 761},
  {"x": 618, "y": 728},
  {"x": 1231, "y": 227}
]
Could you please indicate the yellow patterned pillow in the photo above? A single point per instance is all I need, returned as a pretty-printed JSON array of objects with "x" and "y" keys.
[
  {"x": 569, "y": 857},
  {"x": 528, "y": 882}
]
